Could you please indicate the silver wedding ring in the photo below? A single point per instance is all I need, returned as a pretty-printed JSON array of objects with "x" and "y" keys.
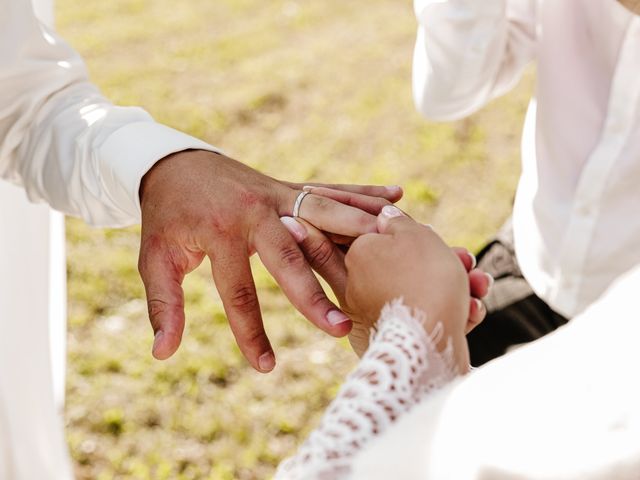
[{"x": 296, "y": 205}]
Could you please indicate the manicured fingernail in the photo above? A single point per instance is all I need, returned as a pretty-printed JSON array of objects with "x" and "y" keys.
[
  {"x": 266, "y": 362},
  {"x": 490, "y": 280},
  {"x": 307, "y": 188},
  {"x": 336, "y": 317},
  {"x": 390, "y": 212},
  {"x": 295, "y": 228},
  {"x": 394, "y": 189},
  {"x": 474, "y": 262},
  {"x": 156, "y": 340}
]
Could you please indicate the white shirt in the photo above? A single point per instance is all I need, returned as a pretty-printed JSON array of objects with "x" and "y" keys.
[
  {"x": 60, "y": 138},
  {"x": 576, "y": 216},
  {"x": 65, "y": 144}
]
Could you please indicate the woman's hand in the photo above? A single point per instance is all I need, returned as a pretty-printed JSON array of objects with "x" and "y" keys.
[{"x": 411, "y": 262}]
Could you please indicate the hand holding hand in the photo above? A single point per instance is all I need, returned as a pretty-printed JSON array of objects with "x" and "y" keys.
[
  {"x": 409, "y": 261},
  {"x": 329, "y": 261}
]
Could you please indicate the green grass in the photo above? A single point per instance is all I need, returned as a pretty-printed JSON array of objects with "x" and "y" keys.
[{"x": 303, "y": 91}]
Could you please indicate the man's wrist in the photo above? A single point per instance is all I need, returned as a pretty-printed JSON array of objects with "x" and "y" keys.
[
  {"x": 156, "y": 169},
  {"x": 131, "y": 151}
]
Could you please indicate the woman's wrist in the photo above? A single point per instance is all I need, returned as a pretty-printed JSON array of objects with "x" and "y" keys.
[{"x": 449, "y": 319}]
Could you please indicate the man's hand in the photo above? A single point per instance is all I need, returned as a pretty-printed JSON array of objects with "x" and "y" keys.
[{"x": 198, "y": 204}]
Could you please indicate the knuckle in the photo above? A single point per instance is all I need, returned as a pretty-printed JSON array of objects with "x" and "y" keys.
[
  {"x": 365, "y": 222},
  {"x": 350, "y": 259},
  {"x": 156, "y": 248},
  {"x": 320, "y": 254},
  {"x": 358, "y": 249},
  {"x": 250, "y": 198},
  {"x": 358, "y": 244},
  {"x": 380, "y": 203},
  {"x": 360, "y": 253},
  {"x": 291, "y": 257},
  {"x": 156, "y": 309},
  {"x": 317, "y": 298},
  {"x": 222, "y": 227},
  {"x": 255, "y": 335},
  {"x": 176, "y": 259},
  {"x": 244, "y": 299},
  {"x": 156, "y": 252},
  {"x": 321, "y": 203}
]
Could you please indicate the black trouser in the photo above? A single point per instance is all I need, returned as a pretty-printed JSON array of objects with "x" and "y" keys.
[{"x": 515, "y": 314}]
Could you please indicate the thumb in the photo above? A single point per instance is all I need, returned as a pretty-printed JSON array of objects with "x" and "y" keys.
[{"x": 392, "y": 220}]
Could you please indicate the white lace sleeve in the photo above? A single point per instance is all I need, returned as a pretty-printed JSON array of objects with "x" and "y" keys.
[{"x": 401, "y": 366}]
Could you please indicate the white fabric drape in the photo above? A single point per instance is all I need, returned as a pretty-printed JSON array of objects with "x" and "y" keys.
[
  {"x": 32, "y": 353},
  {"x": 33, "y": 323}
]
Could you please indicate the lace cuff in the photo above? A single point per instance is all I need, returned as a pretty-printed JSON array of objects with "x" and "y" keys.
[{"x": 401, "y": 366}]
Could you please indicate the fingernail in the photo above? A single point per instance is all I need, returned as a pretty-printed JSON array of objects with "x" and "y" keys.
[
  {"x": 474, "y": 262},
  {"x": 490, "y": 279},
  {"x": 307, "y": 188},
  {"x": 390, "y": 212},
  {"x": 428, "y": 225},
  {"x": 393, "y": 189},
  {"x": 266, "y": 362},
  {"x": 156, "y": 340},
  {"x": 336, "y": 317},
  {"x": 295, "y": 228}
]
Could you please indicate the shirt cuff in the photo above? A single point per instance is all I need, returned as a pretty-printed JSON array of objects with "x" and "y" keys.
[{"x": 130, "y": 152}]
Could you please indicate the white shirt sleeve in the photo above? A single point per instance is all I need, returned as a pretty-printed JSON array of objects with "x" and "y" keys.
[
  {"x": 468, "y": 52},
  {"x": 60, "y": 138}
]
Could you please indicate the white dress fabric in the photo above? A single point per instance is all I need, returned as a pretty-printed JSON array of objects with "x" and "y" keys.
[
  {"x": 401, "y": 367},
  {"x": 575, "y": 221},
  {"x": 566, "y": 407},
  {"x": 32, "y": 353},
  {"x": 33, "y": 276}
]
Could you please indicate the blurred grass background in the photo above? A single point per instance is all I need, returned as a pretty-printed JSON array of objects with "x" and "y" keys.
[{"x": 302, "y": 91}]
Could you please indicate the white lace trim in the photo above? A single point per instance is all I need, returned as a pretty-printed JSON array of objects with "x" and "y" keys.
[{"x": 401, "y": 367}]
